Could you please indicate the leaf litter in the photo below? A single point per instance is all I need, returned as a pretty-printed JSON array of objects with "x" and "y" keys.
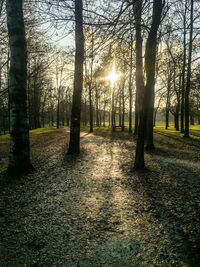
[{"x": 92, "y": 210}]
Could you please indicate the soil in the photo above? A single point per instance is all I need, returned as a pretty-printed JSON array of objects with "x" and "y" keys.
[{"x": 94, "y": 210}]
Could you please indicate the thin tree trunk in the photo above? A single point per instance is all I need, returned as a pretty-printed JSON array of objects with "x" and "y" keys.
[
  {"x": 58, "y": 110},
  {"x": 8, "y": 89},
  {"x": 123, "y": 106},
  {"x": 130, "y": 87},
  {"x": 177, "y": 116},
  {"x": 19, "y": 157},
  {"x": 74, "y": 144},
  {"x": 187, "y": 89},
  {"x": 183, "y": 73},
  {"x": 91, "y": 108}
]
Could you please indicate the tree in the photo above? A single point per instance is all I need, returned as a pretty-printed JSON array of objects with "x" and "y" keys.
[
  {"x": 187, "y": 89},
  {"x": 139, "y": 64},
  {"x": 150, "y": 58},
  {"x": 74, "y": 143},
  {"x": 19, "y": 157}
]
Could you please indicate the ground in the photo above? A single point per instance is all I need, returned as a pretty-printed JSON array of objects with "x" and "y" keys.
[{"x": 94, "y": 210}]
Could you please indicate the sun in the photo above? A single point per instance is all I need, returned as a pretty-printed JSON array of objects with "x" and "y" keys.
[{"x": 113, "y": 76}]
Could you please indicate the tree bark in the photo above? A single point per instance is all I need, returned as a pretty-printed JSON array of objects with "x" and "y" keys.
[
  {"x": 183, "y": 72},
  {"x": 19, "y": 157},
  {"x": 150, "y": 58},
  {"x": 74, "y": 143},
  {"x": 130, "y": 86},
  {"x": 187, "y": 89},
  {"x": 139, "y": 64}
]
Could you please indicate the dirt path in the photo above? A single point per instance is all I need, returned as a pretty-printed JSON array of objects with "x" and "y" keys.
[{"x": 91, "y": 210}]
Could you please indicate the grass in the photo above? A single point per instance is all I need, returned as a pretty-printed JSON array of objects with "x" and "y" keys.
[
  {"x": 170, "y": 138},
  {"x": 175, "y": 139},
  {"x": 34, "y": 132},
  {"x": 37, "y": 137},
  {"x": 5, "y": 136}
]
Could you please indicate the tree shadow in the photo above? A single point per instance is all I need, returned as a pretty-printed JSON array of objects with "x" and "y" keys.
[
  {"x": 189, "y": 140},
  {"x": 168, "y": 191}
]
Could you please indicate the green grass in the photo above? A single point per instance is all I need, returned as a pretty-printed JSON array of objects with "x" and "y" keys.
[
  {"x": 170, "y": 138},
  {"x": 35, "y": 132},
  {"x": 175, "y": 139},
  {"x": 5, "y": 136},
  {"x": 171, "y": 131},
  {"x": 44, "y": 130}
]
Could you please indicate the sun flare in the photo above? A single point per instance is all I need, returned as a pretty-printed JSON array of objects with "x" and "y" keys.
[{"x": 113, "y": 76}]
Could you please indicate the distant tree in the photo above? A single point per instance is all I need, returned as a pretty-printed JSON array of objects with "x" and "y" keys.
[
  {"x": 74, "y": 143},
  {"x": 19, "y": 157}
]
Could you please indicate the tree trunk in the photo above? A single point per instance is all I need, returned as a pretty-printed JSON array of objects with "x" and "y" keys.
[
  {"x": 150, "y": 58},
  {"x": 19, "y": 157},
  {"x": 123, "y": 106},
  {"x": 130, "y": 87},
  {"x": 183, "y": 72},
  {"x": 74, "y": 143},
  {"x": 177, "y": 116},
  {"x": 58, "y": 110},
  {"x": 191, "y": 119},
  {"x": 149, "y": 131},
  {"x": 104, "y": 112},
  {"x": 139, "y": 63},
  {"x": 187, "y": 89},
  {"x": 91, "y": 107}
]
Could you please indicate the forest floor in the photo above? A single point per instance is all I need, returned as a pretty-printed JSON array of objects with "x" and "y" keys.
[{"x": 93, "y": 210}]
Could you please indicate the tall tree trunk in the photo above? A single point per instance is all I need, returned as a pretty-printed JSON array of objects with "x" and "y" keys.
[
  {"x": 104, "y": 112},
  {"x": 85, "y": 112},
  {"x": 123, "y": 105},
  {"x": 58, "y": 110},
  {"x": 19, "y": 157},
  {"x": 183, "y": 71},
  {"x": 91, "y": 107},
  {"x": 120, "y": 109},
  {"x": 96, "y": 106},
  {"x": 112, "y": 111},
  {"x": 187, "y": 89},
  {"x": 8, "y": 67},
  {"x": 191, "y": 119},
  {"x": 130, "y": 87},
  {"x": 139, "y": 64},
  {"x": 74, "y": 143},
  {"x": 90, "y": 85},
  {"x": 150, "y": 58},
  {"x": 177, "y": 115}
]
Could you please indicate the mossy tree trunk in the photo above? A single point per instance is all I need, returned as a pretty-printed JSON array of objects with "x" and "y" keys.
[
  {"x": 74, "y": 143},
  {"x": 19, "y": 157}
]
